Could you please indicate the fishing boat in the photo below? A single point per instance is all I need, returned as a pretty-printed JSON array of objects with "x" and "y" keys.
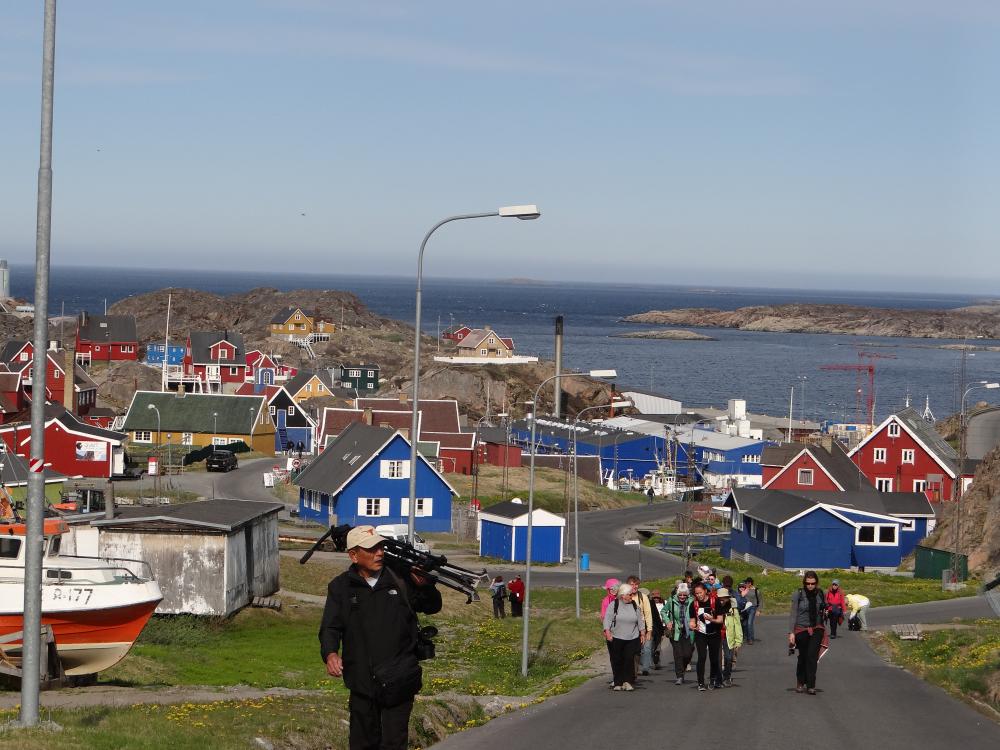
[{"x": 96, "y": 607}]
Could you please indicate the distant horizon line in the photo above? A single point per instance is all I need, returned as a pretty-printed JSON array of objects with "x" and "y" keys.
[{"x": 516, "y": 280}]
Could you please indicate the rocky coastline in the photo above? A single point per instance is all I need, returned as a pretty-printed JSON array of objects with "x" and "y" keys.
[
  {"x": 978, "y": 322},
  {"x": 669, "y": 334}
]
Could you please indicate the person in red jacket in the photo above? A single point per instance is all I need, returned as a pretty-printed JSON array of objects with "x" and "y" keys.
[
  {"x": 835, "y": 606},
  {"x": 516, "y": 588}
]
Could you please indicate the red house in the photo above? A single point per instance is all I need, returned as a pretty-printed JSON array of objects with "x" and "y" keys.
[
  {"x": 456, "y": 333},
  {"x": 106, "y": 338},
  {"x": 906, "y": 454},
  {"x": 18, "y": 356},
  {"x": 795, "y": 466},
  {"x": 72, "y": 447},
  {"x": 12, "y": 400},
  {"x": 216, "y": 359}
]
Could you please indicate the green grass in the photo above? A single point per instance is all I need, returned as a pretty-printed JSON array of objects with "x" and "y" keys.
[
  {"x": 52, "y": 492},
  {"x": 964, "y": 662},
  {"x": 883, "y": 590}
]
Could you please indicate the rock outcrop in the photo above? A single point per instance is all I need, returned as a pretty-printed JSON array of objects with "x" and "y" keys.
[
  {"x": 981, "y": 321},
  {"x": 669, "y": 334}
]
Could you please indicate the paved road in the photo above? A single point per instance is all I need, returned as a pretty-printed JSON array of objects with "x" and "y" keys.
[
  {"x": 862, "y": 703},
  {"x": 983, "y": 433},
  {"x": 245, "y": 483}
]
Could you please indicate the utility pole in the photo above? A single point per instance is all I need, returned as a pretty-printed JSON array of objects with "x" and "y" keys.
[{"x": 32, "y": 622}]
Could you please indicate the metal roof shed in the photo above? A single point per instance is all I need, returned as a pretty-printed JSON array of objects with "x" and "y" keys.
[
  {"x": 503, "y": 533},
  {"x": 210, "y": 557}
]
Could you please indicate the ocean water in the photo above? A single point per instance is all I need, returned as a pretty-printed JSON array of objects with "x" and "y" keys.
[{"x": 763, "y": 368}]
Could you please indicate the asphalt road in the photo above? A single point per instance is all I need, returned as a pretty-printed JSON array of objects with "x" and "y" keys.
[
  {"x": 983, "y": 433},
  {"x": 863, "y": 702},
  {"x": 245, "y": 483}
]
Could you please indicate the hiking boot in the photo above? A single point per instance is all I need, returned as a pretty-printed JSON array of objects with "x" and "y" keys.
[
  {"x": 811, "y": 691},
  {"x": 617, "y": 687},
  {"x": 645, "y": 673},
  {"x": 727, "y": 683},
  {"x": 800, "y": 688},
  {"x": 627, "y": 687},
  {"x": 701, "y": 687},
  {"x": 679, "y": 681}
]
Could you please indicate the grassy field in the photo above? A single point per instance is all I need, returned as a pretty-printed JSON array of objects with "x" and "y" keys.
[
  {"x": 963, "y": 661},
  {"x": 883, "y": 590},
  {"x": 552, "y": 488}
]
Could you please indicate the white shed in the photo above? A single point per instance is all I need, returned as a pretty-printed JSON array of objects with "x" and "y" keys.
[{"x": 209, "y": 558}]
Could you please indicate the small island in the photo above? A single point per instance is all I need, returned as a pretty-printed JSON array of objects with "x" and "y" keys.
[{"x": 670, "y": 334}]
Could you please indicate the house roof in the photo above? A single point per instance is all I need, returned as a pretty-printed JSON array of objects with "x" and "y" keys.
[
  {"x": 221, "y": 514},
  {"x": 841, "y": 469},
  {"x": 202, "y": 342},
  {"x": 780, "y": 455},
  {"x": 369, "y": 366},
  {"x": 286, "y": 312},
  {"x": 193, "y": 412},
  {"x": 15, "y": 470},
  {"x": 508, "y": 509},
  {"x": 304, "y": 376},
  {"x": 9, "y": 382},
  {"x": 778, "y": 507},
  {"x": 107, "y": 328},
  {"x": 924, "y": 433},
  {"x": 477, "y": 336},
  {"x": 455, "y": 440},
  {"x": 336, "y": 420},
  {"x": 250, "y": 389},
  {"x": 437, "y": 415},
  {"x": 9, "y": 351}
]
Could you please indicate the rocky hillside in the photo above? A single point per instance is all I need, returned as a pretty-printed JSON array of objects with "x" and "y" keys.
[{"x": 981, "y": 321}]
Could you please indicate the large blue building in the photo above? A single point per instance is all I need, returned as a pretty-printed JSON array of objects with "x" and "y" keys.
[
  {"x": 821, "y": 530},
  {"x": 363, "y": 476}
]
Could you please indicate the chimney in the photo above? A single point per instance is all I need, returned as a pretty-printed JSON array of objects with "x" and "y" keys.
[
  {"x": 368, "y": 417},
  {"x": 69, "y": 382},
  {"x": 402, "y": 397}
]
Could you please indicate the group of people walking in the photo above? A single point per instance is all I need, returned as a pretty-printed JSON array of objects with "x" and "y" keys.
[
  {"x": 701, "y": 614},
  {"x": 713, "y": 619}
]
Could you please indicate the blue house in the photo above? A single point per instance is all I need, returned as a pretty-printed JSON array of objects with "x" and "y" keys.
[
  {"x": 292, "y": 423},
  {"x": 154, "y": 354},
  {"x": 503, "y": 533},
  {"x": 819, "y": 530},
  {"x": 363, "y": 476}
]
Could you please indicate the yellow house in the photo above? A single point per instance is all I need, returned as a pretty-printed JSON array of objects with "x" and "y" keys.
[
  {"x": 199, "y": 419},
  {"x": 306, "y": 385},
  {"x": 296, "y": 323}
]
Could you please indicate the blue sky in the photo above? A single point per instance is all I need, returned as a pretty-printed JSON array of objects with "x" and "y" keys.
[{"x": 770, "y": 142}]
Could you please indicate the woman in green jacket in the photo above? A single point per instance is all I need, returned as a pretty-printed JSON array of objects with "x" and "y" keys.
[{"x": 678, "y": 630}]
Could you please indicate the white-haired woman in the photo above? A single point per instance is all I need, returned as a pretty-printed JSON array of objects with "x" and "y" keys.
[{"x": 624, "y": 626}]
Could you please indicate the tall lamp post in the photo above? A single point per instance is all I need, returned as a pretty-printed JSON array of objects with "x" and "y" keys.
[
  {"x": 215, "y": 428},
  {"x": 576, "y": 490},
  {"x": 959, "y": 488},
  {"x": 159, "y": 467},
  {"x": 531, "y": 506},
  {"x": 515, "y": 212}
]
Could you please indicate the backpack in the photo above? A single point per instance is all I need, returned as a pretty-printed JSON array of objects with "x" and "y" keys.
[{"x": 614, "y": 617}]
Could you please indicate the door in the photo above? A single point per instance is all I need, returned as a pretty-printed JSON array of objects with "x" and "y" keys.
[
  {"x": 282, "y": 415},
  {"x": 117, "y": 462}
]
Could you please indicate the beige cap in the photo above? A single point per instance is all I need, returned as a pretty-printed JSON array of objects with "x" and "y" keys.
[
  {"x": 722, "y": 594},
  {"x": 363, "y": 536}
]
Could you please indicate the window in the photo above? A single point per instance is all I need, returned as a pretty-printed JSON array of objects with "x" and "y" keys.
[
  {"x": 298, "y": 316},
  {"x": 805, "y": 477},
  {"x": 879, "y": 455},
  {"x": 893, "y": 429},
  {"x": 908, "y": 455},
  {"x": 909, "y": 524},
  {"x": 309, "y": 387},
  {"x": 319, "y": 387},
  {"x": 271, "y": 410},
  {"x": 425, "y": 506},
  {"x": 127, "y": 349},
  {"x": 234, "y": 370},
  {"x": 354, "y": 374},
  {"x": 394, "y": 469},
  {"x": 223, "y": 353},
  {"x": 217, "y": 441},
  {"x": 492, "y": 340},
  {"x": 23, "y": 356},
  {"x": 883, "y": 484},
  {"x": 9, "y": 548},
  {"x": 483, "y": 352},
  {"x": 876, "y": 534},
  {"x": 753, "y": 528},
  {"x": 291, "y": 410},
  {"x": 142, "y": 436},
  {"x": 373, "y": 506},
  {"x": 919, "y": 485},
  {"x": 781, "y": 538},
  {"x": 371, "y": 373},
  {"x": 56, "y": 373}
]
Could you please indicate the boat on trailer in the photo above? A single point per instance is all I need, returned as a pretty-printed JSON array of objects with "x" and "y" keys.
[{"x": 96, "y": 607}]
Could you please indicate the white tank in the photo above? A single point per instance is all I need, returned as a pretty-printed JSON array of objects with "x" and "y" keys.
[{"x": 4, "y": 279}]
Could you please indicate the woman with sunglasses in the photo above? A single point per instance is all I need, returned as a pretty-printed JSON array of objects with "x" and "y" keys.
[
  {"x": 806, "y": 631},
  {"x": 706, "y": 623}
]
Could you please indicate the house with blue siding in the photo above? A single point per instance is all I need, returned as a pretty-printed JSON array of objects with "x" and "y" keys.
[
  {"x": 155, "y": 352},
  {"x": 363, "y": 477},
  {"x": 820, "y": 530},
  {"x": 503, "y": 533}
]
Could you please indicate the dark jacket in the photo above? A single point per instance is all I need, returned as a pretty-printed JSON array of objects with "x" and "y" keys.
[
  {"x": 372, "y": 626},
  {"x": 799, "y": 617}
]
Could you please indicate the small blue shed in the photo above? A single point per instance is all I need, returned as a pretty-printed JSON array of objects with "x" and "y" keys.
[
  {"x": 363, "y": 477},
  {"x": 821, "y": 530},
  {"x": 175, "y": 354},
  {"x": 503, "y": 533}
]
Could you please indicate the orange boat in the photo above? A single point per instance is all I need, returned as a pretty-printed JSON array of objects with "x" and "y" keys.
[{"x": 96, "y": 606}]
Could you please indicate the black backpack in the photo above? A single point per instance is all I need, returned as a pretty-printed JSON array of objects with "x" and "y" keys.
[{"x": 614, "y": 617}]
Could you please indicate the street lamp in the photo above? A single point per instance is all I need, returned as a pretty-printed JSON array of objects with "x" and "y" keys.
[
  {"x": 515, "y": 212},
  {"x": 156, "y": 481},
  {"x": 576, "y": 491},
  {"x": 215, "y": 428},
  {"x": 531, "y": 506},
  {"x": 959, "y": 489}
]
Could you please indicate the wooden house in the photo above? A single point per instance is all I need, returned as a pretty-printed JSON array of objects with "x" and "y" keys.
[
  {"x": 796, "y": 466},
  {"x": 106, "y": 338},
  {"x": 485, "y": 343},
  {"x": 216, "y": 359},
  {"x": 294, "y": 323}
]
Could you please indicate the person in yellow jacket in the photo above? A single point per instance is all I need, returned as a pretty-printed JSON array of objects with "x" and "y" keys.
[
  {"x": 857, "y": 605},
  {"x": 646, "y": 648},
  {"x": 732, "y": 637}
]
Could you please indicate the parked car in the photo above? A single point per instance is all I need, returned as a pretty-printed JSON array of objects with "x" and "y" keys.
[
  {"x": 221, "y": 461},
  {"x": 399, "y": 532}
]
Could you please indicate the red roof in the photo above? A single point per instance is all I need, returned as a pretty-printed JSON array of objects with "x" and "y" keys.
[
  {"x": 436, "y": 415},
  {"x": 250, "y": 389},
  {"x": 457, "y": 440},
  {"x": 336, "y": 420}
]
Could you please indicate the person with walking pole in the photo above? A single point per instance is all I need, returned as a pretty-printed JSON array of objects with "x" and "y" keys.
[{"x": 807, "y": 631}]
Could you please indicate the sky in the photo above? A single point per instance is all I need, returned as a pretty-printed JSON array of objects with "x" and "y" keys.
[{"x": 772, "y": 142}]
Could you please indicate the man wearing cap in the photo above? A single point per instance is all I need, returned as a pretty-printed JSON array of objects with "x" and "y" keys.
[{"x": 370, "y": 625}]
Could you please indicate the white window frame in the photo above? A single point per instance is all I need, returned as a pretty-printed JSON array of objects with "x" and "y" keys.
[
  {"x": 298, "y": 317},
  {"x": 354, "y": 373},
  {"x": 57, "y": 373},
  {"x": 127, "y": 349},
  {"x": 879, "y": 455},
  {"x": 737, "y": 520},
  {"x": 373, "y": 507},
  {"x": 909, "y": 524},
  {"x": 218, "y": 442},
  {"x": 893, "y": 430},
  {"x": 291, "y": 410},
  {"x": 920, "y": 485},
  {"x": 272, "y": 410},
  {"x": 883, "y": 484},
  {"x": 223, "y": 353},
  {"x": 390, "y": 468},
  {"x": 425, "y": 507},
  {"x": 909, "y": 456},
  {"x": 23, "y": 356},
  {"x": 753, "y": 528},
  {"x": 802, "y": 475},
  {"x": 371, "y": 373},
  {"x": 877, "y": 535},
  {"x": 780, "y": 537},
  {"x": 142, "y": 436},
  {"x": 234, "y": 370}
]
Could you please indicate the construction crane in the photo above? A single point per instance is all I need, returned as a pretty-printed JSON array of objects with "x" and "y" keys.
[{"x": 862, "y": 368}]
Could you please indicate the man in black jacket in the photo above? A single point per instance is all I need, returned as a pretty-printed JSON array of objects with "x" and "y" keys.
[{"x": 370, "y": 616}]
